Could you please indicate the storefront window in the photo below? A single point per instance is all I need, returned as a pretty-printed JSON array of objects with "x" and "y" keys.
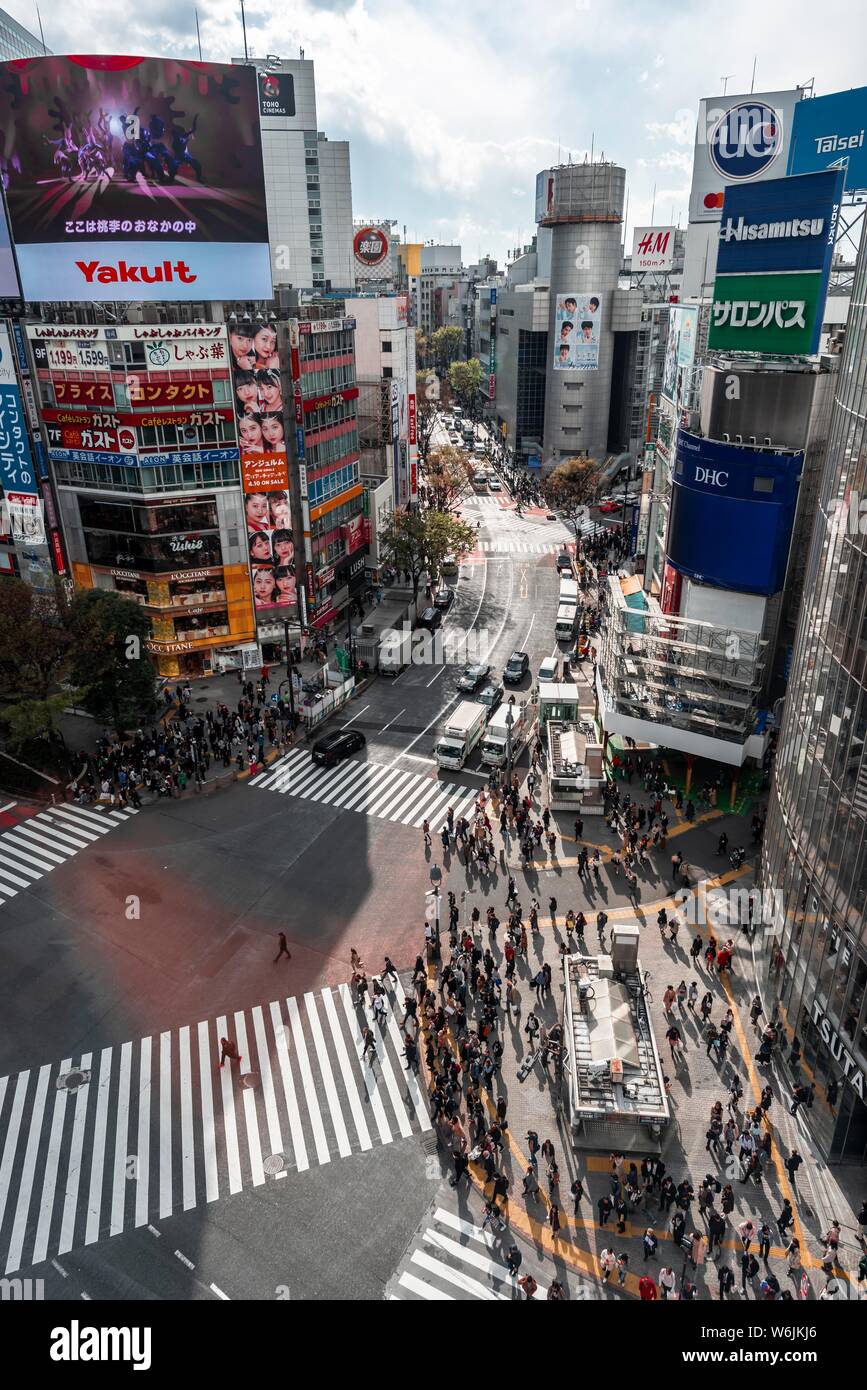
[{"x": 155, "y": 554}]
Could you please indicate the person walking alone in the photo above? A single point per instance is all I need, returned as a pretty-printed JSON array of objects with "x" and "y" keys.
[{"x": 283, "y": 948}]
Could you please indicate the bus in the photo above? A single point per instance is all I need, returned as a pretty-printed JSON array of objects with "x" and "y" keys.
[{"x": 468, "y": 434}]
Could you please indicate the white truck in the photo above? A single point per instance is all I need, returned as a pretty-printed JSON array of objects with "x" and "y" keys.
[
  {"x": 496, "y": 739},
  {"x": 463, "y": 729},
  {"x": 569, "y": 592}
]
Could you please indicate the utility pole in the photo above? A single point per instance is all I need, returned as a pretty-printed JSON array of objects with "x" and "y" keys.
[
  {"x": 289, "y": 672},
  {"x": 510, "y": 719}
]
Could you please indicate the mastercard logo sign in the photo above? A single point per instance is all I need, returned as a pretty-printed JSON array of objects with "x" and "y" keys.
[{"x": 714, "y": 200}]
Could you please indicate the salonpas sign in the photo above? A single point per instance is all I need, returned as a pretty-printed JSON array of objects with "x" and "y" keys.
[
  {"x": 775, "y": 314},
  {"x": 776, "y": 247}
]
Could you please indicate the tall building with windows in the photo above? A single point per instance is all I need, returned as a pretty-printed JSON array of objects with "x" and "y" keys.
[
  {"x": 18, "y": 42},
  {"x": 814, "y": 853},
  {"x": 307, "y": 183}
]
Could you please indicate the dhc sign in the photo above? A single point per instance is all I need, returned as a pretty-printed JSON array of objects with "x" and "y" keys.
[{"x": 732, "y": 510}]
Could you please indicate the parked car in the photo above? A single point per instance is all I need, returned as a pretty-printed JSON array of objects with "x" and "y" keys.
[
  {"x": 431, "y": 618},
  {"x": 333, "y": 747},
  {"x": 549, "y": 669},
  {"x": 516, "y": 668},
  {"x": 490, "y": 695},
  {"x": 444, "y": 598},
  {"x": 473, "y": 675}
]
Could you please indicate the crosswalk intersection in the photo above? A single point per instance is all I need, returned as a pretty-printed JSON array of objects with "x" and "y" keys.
[
  {"x": 452, "y": 1258},
  {"x": 107, "y": 1141},
  {"x": 40, "y": 843},
  {"x": 375, "y": 789}
]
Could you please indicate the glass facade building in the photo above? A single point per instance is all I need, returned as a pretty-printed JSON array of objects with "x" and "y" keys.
[{"x": 814, "y": 963}]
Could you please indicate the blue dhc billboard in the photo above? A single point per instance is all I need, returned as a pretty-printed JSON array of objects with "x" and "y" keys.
[
  {"x": 781, "y": 224},
  {"x": 732, "y": 511},
  {"x": 829, "y": 133}
]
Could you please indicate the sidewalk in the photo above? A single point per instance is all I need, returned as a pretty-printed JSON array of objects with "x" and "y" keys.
[{"x": 817, "y": 1197}]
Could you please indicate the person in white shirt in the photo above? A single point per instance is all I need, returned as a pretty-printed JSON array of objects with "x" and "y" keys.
[{"x": 667, "y": 1281}]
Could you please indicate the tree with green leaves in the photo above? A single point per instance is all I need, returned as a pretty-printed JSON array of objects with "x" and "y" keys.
[
  {"x": 445, "y": 348},
  {"x": 422, "y": 349},
  {"x": 34, "y": 641},
  {"x": 418, "y": 542},
  {"x": 31, "y": 722},
  {"x": 573, "y": 482},
  {"x": 465, "y": 380},
  {"x": 448, "y": 472},
  {"x": 111, "y": 665},
  {"x": 427, "y": 401}
]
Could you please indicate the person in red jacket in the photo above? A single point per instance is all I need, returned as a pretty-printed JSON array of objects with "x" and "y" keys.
[{"x": 647, "y": 1288}]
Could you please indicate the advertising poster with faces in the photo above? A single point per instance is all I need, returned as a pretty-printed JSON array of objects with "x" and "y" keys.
[
  {"x": 577, "y": 321},
  {"x": 264, "y": 468}
]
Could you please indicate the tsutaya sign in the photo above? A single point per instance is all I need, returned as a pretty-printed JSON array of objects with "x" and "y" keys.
[{"x": 852, "y": 1072}]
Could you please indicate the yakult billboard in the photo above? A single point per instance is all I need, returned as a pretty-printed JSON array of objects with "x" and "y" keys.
[{"x": 134, "y": 178}]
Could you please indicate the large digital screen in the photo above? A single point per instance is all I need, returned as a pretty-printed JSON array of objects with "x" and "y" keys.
[
  {"x": 9, "y": 286},
  {"x": 134, "y": 178},
  {"x": 679, "y": 349},
  {"x": 577, "y": 320},
  {"x": 264, "y": 469}
]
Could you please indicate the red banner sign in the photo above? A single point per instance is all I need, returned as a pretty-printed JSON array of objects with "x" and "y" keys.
[
  {"x": 336, "y": 398},
  {"x": 82, "y": 392},
  {"x": 143, "y": 392},
  {"x": 412, "y": 435}
]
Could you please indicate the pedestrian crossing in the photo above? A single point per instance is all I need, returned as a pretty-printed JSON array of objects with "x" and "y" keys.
[
  {"x": 502, "y": 546},
  {"x": 451, "y": 1258},
  {"x": 375, "y": 789},
  {"x": 37, "y": 845},
  {"x": 111, "y": 1140}
]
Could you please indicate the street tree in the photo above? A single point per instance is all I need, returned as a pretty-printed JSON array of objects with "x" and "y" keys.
[
  {"x": 427, "y": 396},
  {"x": 448, "y": 472},
  {"x": 422, "y": 350},
  {"x": 573, "y": 483},
  {"x": 33, "y": 721},
  {"x": 465, "y": 379},
  {"x": 111, "y": 665},
  {"x": 445, "y": 347},
  {"x": 418, "y": 542},
  {"x": 34, "y": 641}
]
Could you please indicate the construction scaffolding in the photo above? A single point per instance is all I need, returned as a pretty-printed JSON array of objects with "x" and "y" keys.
[{"x": 680, "y": 672}]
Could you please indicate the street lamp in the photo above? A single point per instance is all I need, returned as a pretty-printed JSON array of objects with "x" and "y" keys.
[{"x": 510, "y": 719}]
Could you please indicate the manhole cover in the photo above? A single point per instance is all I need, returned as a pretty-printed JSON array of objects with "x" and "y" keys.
[
  {"x": 71, "y": 1080},
  {"x": 274, "y": 1164},
  {"x": 250, "y": 1080}
]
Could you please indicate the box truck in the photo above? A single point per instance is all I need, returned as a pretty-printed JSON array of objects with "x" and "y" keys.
[
  {"x": 495, "y": 741},
  {"x": 463, "y": 729}
]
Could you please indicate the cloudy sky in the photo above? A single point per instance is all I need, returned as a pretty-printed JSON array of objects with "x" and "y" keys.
[{"x": 451, "y": 108}]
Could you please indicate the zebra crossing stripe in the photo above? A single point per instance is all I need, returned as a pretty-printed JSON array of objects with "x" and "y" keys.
[
  {"x": 100, "y": 1137},
  {"x": 426, "y": 1291},
  {"x": 456, "y": 1277},
  {"x": 344, "y": 1147},
  {"x": 299, "y": 1146},
  {"x": 230, "y": 1123},
  {"x": 70, "y": 1198},
  {"x": 275, "y": 1137},
  {"x": 165, "y": 1124},
  {"x": 144, "y": 1133},
  {"x": 206, "y": 1094},
  {"x": 369, "y": 1075},
  {"x": 28, "y": 1172},
  {"x": 121, "y": 1146},
  {"x": 355, "y": 1105},
  {"x": 319, "y": 1139},
  {"x": 49, "y": 1181},
  {"x": 254, "y": 1145}
]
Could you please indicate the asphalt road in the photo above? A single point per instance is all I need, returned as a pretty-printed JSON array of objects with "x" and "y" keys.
[{"x": 154, "y": 1174}]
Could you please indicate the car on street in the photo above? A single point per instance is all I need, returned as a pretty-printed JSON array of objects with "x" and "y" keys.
[
  {"x": 444, "y": 598},
  {"x": 333, "y": 747},
  {"x": 609, "y": 504},
  {"x": 449, "y": 564},
  {"x": 516, "y": 668},
  {"x": 473, "y": 675},
  {"x": 494, "y": 483},
  {"x": 549, "y": 669},
  {"x": 490, "y": 695},
  {"x": 431, "y": 618},
  {"x": 564, "y": 563}
]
